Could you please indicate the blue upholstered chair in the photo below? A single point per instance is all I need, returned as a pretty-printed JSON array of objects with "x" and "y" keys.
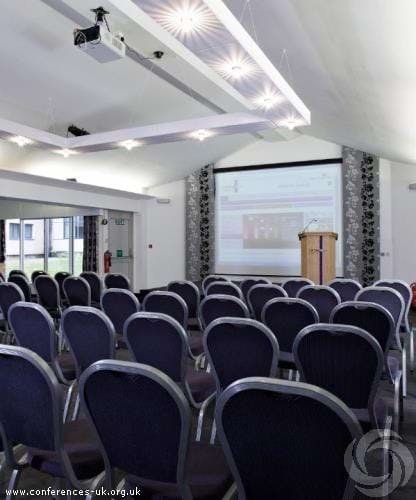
[
  {"x": 23, "y": 284},
  {"x": 293, "y": 285},
  {"x": 224, "y": 288},
  {"x": 347, "y": 289},
  {"x": 259, "y": 295},
  {"x": 323, "y": 298},
  {"x": 248, "y": 283},
  {"x": 49, "y": 296},
  {"x": 96, "y": 286},
  {"x": 77, "y": 291},
  {"x": 220, "y": 306},
  {"x": 210, "y": 279},
  {"x": 113, "y": 280}
]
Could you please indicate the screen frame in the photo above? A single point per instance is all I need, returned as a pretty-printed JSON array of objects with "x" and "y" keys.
[{"x": 303, "y": 163}]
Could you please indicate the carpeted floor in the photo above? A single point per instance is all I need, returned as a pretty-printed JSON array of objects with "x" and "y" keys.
[{"x": 33, "y": 479}]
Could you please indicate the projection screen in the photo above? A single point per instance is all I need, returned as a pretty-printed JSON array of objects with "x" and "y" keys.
[{"x": 259, "y": 213}]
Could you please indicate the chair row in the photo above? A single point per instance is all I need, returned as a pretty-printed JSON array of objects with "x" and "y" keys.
[{"x": 139, "y": 421}]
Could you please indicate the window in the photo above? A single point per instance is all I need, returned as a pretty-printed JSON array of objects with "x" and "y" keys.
[
  {"x": 28, "y": 231},
  {"x": 14, "y": 231},
  {"x": 49, "y": 244}
]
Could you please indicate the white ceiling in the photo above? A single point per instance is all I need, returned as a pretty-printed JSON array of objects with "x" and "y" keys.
[{"x": 349, "y": 63}]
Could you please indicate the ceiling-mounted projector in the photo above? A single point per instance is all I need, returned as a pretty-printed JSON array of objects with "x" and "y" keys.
[{"x": 98, "y": 42}]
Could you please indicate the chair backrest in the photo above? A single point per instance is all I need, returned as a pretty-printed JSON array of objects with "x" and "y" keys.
[
  {"x": 18, "y": 271},
  {"x": 323, "y": 298},
  {"x": 293, "y": 285},
  {"x": 210, "y": 279},
  {"x": 347, "y": 289},
  {"x": 405, "y": 291},
  {"x": 248, "y": 283},
  {"x": 2, "y": 277},
  {"x": 373, "y": 318},
  {"x": 10, "y": 293},
  {"x": 342, "y": 359},
  {"x": 23, "y": 284},
  {"x": 90, "y": 335},
  {"x": 239, "y": 348},
  {"x": 388, "y": 298},
  {"x": 156, "y": 420},
  {"x": 37, "y": 273},
  {"x": 119, "y": 304},
  {"x": 221, "y": 306},
  {"x": 190, "y": 294},
  {"x": 167, "y": 303},
  {"x": 297, "y": 435},
  {"x": 33, "y": 413},
  {"x": 224, "y": 288},
  {"x": 77, "y": 291},
  {"x": 259, "y": 295},
  {"x": 60, "y": 277},
  {"x": 33, "y": 329},
  {"x": 158, "y": 340},
  {"x": 113, "y": 280},
  {"x": 47, "y": 289},
  {"x": 95, "y": 283},
  {"x": 286, "y": 317}
]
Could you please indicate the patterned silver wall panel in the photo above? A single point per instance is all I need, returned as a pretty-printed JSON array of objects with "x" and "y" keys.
[
  {"x": 2, "y": 241},
  {"x": 200, "y": 219},
  {"x": 90, "y": 262},
  {"x": 361, "y": 198}
]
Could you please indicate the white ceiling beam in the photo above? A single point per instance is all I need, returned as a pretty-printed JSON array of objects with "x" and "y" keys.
[
  {"x": 9, "y": 129},
  {"x": 225, "y": 16}
]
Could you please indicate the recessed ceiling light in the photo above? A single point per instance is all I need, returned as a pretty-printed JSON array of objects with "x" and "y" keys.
[
  {"x": 21, "y": 141},
  {"x": 290, "y": 123},
  {"x": 129, "y": 144},
  {"x": 201, "y": 134},
  {"x": 66, "y": 153},
  {"x": 186, "y": 19},
  {"x": 235, "y": 69},
  {"x": 268, "y": 101}
]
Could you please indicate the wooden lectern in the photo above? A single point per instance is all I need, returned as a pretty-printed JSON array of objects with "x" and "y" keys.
[{"x": 318, "y": 255}]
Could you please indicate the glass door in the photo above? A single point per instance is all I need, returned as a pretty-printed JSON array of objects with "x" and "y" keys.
[{"x": 32, "y": 233}]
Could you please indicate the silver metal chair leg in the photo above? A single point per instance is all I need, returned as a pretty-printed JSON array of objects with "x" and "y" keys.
[
  {"x": 213, "y": 432},
  {"x": 76, "y": 408},
  {"x": 68, "y": 400},
  {"x": 412, "y": 350},
  {"x": 404, "y": 368},
  {"x": 14, "y": 479}
]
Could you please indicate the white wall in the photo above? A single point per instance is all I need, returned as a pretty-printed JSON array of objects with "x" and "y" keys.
[
  {"x": 302, "y": 148},
  {"x": 402, "y": 205},
  {"x": 165, "y": 228}
]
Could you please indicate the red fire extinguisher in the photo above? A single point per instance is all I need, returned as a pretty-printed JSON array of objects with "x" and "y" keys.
[
  {"x": 413, "y": 287},
  {"x": 107, "y": 261}
]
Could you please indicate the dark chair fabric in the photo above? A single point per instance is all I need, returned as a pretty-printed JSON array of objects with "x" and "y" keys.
[
  {"x": 295, "y": 434},
  {"x": 190, "y": 294},
  {"x": 2, "y": 278},
  {"x": 18, "y": 271},
  {"x": 37, "y": 273},
  {"x": 286, "y": 317},
  {"x": 260, "y": 294},
  {"x": 119, "y": 304},
  {"x": 160, "y": 341},
  {"x": 292, "y": 286},
  {"x": 347, "y": 289},
  {"x": 33, "y": 419},
  {"x": 113, "y": 280},
  {"x": 406, "y": 292},
  {"x": 23, "y": 284},
  {"x": 90, "y": 335},
  {"x": 371, "y": 317},
  {"x": 167, "y": 303},
  {"x": 223, "y": 288},
  {"x": 60, "y": 277},
  {"x": 159, "y": 428},
  {"x": 344, "y": 360},
  {"x": 34, "y": 329},
  {"x": 210, "y": 279},
  {"x": 239, "y": 348},
  {"x": 47, "y": 289},
  {"x": 220, "y": 306},
  {"x": 77, "y": 291},
  {"x": 95, "y": 285},
  {"x": 10, "y": 293},
  {"x": 248, "y": 283},
  {"x": 323, "y": 298}
]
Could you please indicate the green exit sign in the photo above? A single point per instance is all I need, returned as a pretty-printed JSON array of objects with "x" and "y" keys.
[{"x": 120, "y": 222}]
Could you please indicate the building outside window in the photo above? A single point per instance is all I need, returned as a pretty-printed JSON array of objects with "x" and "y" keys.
[{"x": 48, "y": 244}]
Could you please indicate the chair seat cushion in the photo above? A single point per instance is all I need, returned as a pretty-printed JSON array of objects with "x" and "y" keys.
[
  {"x": 393, "y": 365},
  {"x": 207, "y": 472},
  {"x": 121, "y": 343},
  {"x": 193, "y": 325},
  {"x": 287, "y": 361},
  {"x": 67, "y": 363},
  {"x": 201, "y": 384},
  {"x": 82, "y": 450},
  {"x": 196, "y": 345}
]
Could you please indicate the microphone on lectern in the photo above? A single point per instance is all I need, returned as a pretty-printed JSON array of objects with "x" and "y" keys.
[{"x": 308, "y": 224}]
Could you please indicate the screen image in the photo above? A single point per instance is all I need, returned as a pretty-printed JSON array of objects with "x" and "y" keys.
[{"x": 259, "y": 213}]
